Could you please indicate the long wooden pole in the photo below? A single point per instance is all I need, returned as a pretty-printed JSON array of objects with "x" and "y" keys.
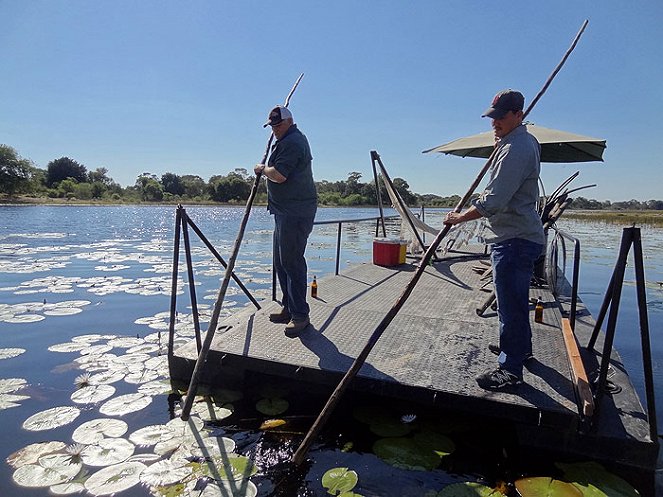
[
  {"x": 214, "y": 319},
  {"x": 301, "y": 451}
]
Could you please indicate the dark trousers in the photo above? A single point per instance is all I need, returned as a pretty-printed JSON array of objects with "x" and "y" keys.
[
  {"x": 290, "y": 238},
  {"x": 513, "y": 265}
]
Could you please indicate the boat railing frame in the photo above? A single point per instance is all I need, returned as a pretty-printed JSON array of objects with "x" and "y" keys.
[
  {"x": 339, "y": 230},
  {"x": 631, "y": 240},
  {"x": 182, "y": 224},
  {"x": 575, "y": 278}
]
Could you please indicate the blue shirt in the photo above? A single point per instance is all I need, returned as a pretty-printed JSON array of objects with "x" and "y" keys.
[
  {"x": 509, "y": 201},
  {"x": 296, "y": 196}
]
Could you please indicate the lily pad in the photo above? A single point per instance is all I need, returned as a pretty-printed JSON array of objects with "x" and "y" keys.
[
  {"x": 9, "y": 385},
  {"x": 125, "y": 404},
  {"x": 405, "y": 453},
  {"x": 9, "y": 353},
  {"x": 150, "y": 435},
  {"x": 51, "y": 469},
  {"x": 92, "y": 394},
  {"x": 272, "y": 423},
  {"x": 115, "y": 478},
  {"x": 93, "y": 431},
  {"x": 232, "y": 467},
  {"x": 435, "y": 442},
  {"x": 272, "y": 406},
  {"x": 595, "y": 481},
  {"x": 51, "y": 418},
  {"x": 468, "y": 489},
  {"x": 31, "y": 453},
  {"x": 107, "y": 451},
  {"x": 339, "y": 480},
  {"x": 544, "y": 486},
  {"x": 165, "y": 472}
]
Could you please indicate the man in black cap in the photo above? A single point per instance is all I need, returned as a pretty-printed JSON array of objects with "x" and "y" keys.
[
  {"x": 292, "y": 199},
  {"x": 514, "y": 232}
]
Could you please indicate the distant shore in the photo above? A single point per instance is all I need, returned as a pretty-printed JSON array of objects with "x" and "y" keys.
[{"x": 623, "y": 217}]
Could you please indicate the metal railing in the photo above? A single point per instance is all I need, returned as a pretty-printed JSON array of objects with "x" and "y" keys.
[
  {"x": 339, "y": 231},
  {"x": 553, "y": 266}
]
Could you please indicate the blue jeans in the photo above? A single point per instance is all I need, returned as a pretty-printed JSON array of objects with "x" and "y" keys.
[
  {"x": 290, "y": 238},
  {"x": 513, "y": 265}
]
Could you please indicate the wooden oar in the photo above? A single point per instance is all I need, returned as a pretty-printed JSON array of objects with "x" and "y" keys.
[
  {"x": 214, "y": 319},
  {"x": 301, "y": 451}
]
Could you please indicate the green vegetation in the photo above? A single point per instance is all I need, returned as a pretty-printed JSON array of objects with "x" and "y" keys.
[{"x": 66, "y": 180}]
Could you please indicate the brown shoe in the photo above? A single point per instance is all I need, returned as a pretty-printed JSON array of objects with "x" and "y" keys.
[
  {"x": 295, "y": 327},
  {"x": 283, "y": 316}
]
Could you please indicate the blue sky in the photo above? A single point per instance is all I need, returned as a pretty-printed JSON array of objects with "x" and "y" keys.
[{"x": 184, "y": 87}]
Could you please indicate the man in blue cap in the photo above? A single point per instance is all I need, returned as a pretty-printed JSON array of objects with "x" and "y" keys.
[
  {"x": 514, "y": 232},
  {"x": 293, "y": 201}
]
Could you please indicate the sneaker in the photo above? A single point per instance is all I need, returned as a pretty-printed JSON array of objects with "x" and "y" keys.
[
  {"x": 498, "y": 379},
  {"x": 283, "y": 316},
  {"x": 495, "y": 349},
  {"x": 295, "y": 327}
]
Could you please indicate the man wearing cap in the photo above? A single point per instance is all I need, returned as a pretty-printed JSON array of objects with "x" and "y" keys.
[
  {"x": 514, "y": 232},
  {"x": 293, "y": 201}
]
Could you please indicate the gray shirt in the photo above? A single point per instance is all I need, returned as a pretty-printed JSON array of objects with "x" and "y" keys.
[{"x": 509, "y": 201}]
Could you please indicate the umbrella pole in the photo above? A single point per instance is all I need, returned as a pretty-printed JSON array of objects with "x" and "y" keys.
[
  {"x": 301, "y": 451},
  {"x": 214, "y": 319}
]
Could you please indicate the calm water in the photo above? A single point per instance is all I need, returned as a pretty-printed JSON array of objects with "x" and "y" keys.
[{"x": 89, "y": 275}]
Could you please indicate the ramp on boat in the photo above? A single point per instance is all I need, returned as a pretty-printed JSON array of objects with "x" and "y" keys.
[{"x": 430, "y": 353}]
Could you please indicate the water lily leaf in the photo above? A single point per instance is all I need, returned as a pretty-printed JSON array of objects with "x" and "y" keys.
[
  {"x": 68, "y": 347},
  {"x": 93, "y": 431},
  {"x": 141, "y": 376},
  {"x": 62, "y": 311},
  {"x": 8, "y": 400},
  {"x": 24, "y": 318},
  {"x": 208, "y": 411},
  {"x": 31, "y": 453},
  {"x": 126, "y": 342},
  {"x": 212, "y": 446},
  {"x": 225, "y": 396},
  {"x": 232, "y": 467},
  {"x": 8, "y": 353},
  {"x": 405, "y": 453},
  {"x": 211, "y": 488},
  {"x": 9, "y": 385},
  {"x": 125, "y": 404},
  {"x": 272, "y": 423},
  {"x": 106, "y": 377},
  {"x": 165, "y": 472},
  {"x": 115, "y": 478},
  {"x": 389, "y": 427},
  {"x": 51, "y": 418},
  {"x": 51, "y": 469},
  {"x": 107, "y": 451},
  {"x": 150, "y": 435},
  {"x": 156, "y": 387},
  {"x": 272, "y": 406},
  {"x": 469, "y": 489},
  {"x": 436, "y": 442},
  {"x": 92, "y": 394},
  {"x": 595, "y": 481},
  {"x": 339, "y": 480},
  {"x": 69, "y": 488},
  {"x": 544, "y": 486}
]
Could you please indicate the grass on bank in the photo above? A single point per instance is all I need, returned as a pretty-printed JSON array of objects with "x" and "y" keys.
[{"x": 624, "y": 218}]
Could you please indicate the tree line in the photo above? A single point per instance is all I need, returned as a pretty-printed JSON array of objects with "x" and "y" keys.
[{"x": 68, "y": 179}]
